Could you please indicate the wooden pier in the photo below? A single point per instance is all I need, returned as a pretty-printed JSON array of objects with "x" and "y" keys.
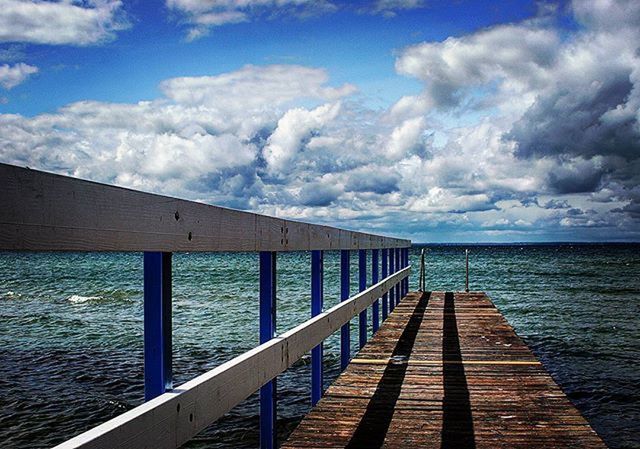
[
  {"x": 445, "y": 370},
  {"x": 442, "y": 369}
]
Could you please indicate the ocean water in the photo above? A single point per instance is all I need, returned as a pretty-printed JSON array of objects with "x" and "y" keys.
[{"x": 71, "y": 353}]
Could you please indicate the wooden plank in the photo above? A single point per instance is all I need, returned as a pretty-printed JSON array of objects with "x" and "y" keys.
[
  {"x": 445, "y": 371},
  {"x": 46, "y": 212},
  {"x": 173, "y": 418}
]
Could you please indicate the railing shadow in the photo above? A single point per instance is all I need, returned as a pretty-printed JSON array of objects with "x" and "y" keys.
[
  {"x": 457, "y": 421},
  {"x": 374, "y": 425}
]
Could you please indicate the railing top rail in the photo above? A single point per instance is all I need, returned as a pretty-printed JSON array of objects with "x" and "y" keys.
[
  {"x": 171, "y": 419},
  {"x": 46, "y": 212}
]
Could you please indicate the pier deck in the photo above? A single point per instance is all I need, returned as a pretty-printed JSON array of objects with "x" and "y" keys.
[{"x": 445, "y": 370}]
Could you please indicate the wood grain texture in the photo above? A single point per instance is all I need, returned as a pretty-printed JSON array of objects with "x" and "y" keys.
[
  {"x": 445, "y": 371},
  {"x": 46, "y": 212},
  {"x": 175, "y": 417}
]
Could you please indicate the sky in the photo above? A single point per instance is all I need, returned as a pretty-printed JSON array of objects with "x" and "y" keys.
[{"x": 437, "y": 121}]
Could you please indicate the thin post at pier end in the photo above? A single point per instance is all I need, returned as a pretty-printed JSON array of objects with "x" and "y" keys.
[
  {"x": 317, "y": 294},
  {"x": 422, "y": 282},
  {"x": 268, "y": 392},
  {"x": 362, "y": 278},
  {"x": 375, "y": 308},
  {"x": 466, "y": 284},
  {"x": 345, "y": 334},
  {"x": 385, "y": 273},
  {"x": 157, "y": 324}
]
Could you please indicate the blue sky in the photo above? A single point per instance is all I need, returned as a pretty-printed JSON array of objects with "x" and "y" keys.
[{"x": 437, "y": 121}]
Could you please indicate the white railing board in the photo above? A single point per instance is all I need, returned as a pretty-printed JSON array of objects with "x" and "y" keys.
[
  {"x": 46, "y": 212},
  {"x": 158, "y": 424}
]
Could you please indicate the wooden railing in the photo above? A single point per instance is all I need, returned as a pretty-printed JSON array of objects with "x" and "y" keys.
[{"x": 46, "y": 212}]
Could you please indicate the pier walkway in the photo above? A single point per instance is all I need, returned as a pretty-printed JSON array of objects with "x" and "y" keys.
[
  {"x": 445, "y": 370},
  {"x": 441, "y": 369}
]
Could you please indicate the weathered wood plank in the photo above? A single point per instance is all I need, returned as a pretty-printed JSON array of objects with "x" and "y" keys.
[
  {"x": 46, "y": 212},
  {"x": 445, "y": 371},
  {"x": 173, "y": 418}
]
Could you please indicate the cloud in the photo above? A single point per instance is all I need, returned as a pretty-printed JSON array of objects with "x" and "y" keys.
[
  {"x": 390, "y": 8},
  {"x": 372, "y": 179},
  {"x": 318, "y": 194},
  {"x": 294, "y": 126},
  {"x": 61, "y": 23},
  {"x": 450, "y": 68},
  {"x": 12, "y": 75},
  {"x": 254, "y": 88},
  {"x": 553, "y": 112},
  {"x": 522, "y": 138},
  {"x": 405, "y": 138},
  {"x": 202, "y": 15}
]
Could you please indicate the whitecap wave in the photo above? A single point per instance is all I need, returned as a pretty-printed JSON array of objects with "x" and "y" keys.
[
  {"x": 10, "y": 295},
  {"x": 77, "y": 299}
]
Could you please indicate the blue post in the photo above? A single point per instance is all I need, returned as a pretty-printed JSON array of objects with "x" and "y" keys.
[
  {"x": 403, "y": 286},
  {"x": 157, "y": 324},
  {"x": 267, "y": 332},
  {"x": 398, "y": 294},
  {"x": 385, "y": 273},
  {"x": 362, "y": 276},
  {"x": 375, "y": 322},
  {"x": 406, "y": 264},
  {"x": 316, "y": 309},
  {"x": 345, "y": 337},
  {"x": 392, "y": 292}
]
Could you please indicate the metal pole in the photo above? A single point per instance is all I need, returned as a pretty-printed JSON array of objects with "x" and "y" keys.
[
  {"x": 385, "y": 273},
  {"x": 466, "y": 288},
  {"x": 157, "y": 324},
  {"x": 422, "y": 282},
  {"x": 375, "y": 309},
  {"x": 362, "y": 272},
  {"x": 267, "y": 332},
  {"x": 345, "y": 337},
  {"x": 316, "y": 309}
]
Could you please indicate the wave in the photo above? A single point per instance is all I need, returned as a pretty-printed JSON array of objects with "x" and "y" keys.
[{"x": 78, "y": 299}]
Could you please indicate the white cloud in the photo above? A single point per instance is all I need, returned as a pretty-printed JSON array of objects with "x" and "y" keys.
[
  {"x": 294, "y": 126},
  {"x": 12, "y": 75},
  {"x": 405, "y": 138},
  {"x": 494, "y": 145},
  {"x": 202, "y": 15},
  {"x": 389, "y": 8},
  {"x": 57, "y": 23}
]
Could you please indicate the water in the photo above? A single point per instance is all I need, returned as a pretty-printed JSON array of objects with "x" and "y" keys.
[{"x": 71, "y": 331}]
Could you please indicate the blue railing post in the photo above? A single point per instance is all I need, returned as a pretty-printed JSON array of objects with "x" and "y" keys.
[
  {"x": 157, "y": 324},
  {"x": 398, "y": 293},
  {"x": 317, "y": 294},
  {"x": 345, "y": 337},
  {"x": 392, "y": 291},
  {"x": 362, "y": 277},
  {"x": 267, "y": 332},
  {"x": 385, "y": 273},
  {"x": 406, "y": 264},
  {"x": 375, "y": 310}
]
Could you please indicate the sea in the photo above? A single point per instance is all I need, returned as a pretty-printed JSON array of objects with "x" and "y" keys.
[{"x": 71, "y": 331}]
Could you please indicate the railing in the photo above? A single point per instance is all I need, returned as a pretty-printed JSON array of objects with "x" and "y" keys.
[{"x": 46, "y": 212}]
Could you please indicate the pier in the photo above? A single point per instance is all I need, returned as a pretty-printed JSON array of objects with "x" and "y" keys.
[
  {"x": 445, "y": 370},
  {"x": 441, "y": 369}
]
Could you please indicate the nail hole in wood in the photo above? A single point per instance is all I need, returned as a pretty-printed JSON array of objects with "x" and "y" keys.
[
  {"x": 189, "y": 236},
  {"x": 177, "y": 215},
  {"x": 178, "y": 408},
  {"x": 190, "y": 417}
]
